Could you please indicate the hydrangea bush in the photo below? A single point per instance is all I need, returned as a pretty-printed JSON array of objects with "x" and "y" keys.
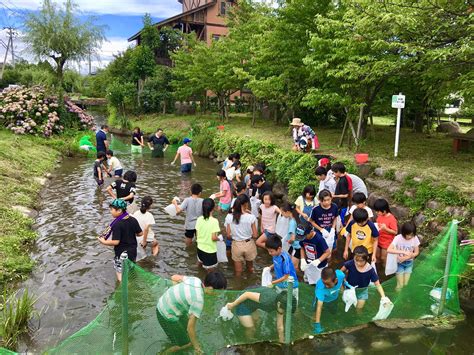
[{"x": 31, "y": 111}]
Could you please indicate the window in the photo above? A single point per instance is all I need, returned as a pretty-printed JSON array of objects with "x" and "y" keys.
[
  {"x": 223, "y": 8},
  {"x": 216, "y": 37}
]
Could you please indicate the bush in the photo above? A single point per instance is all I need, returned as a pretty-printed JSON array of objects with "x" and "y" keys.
[
  {"x": 292, "y": 168},
  {"x": 33, "y": 111}
]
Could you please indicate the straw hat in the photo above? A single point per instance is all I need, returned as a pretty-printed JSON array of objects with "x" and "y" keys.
[{"x": 296, "y": 122}]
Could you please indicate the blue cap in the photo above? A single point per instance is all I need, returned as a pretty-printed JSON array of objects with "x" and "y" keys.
[{"x": 186, "y": 140}]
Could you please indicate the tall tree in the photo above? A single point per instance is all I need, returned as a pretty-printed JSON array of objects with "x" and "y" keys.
[{"x": 57, "y": 33}]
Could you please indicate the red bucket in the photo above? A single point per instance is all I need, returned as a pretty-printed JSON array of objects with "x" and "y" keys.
[
  {"x": 220, "y": 128},
  {"x": 361, "y": 158}
]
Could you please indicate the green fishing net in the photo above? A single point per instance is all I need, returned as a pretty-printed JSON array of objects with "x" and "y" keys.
[{"x": 128, "y": 322}]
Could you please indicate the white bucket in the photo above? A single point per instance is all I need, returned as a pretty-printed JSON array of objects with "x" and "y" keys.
[{"x": 171, "y": 210}]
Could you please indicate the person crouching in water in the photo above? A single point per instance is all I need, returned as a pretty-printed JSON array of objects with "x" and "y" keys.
[{"x": 124, "y": 229}]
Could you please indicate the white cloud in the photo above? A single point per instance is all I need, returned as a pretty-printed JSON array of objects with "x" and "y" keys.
[
  {"x": 105, "y": 55},
  {"x": 157, "y": 8}
]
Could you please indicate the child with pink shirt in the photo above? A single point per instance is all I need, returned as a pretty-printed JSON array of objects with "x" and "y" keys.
[
  {"x": 225, "y": 193},
  {"x": 268, "y": 216},
  {"x": 186, "y": 153}
]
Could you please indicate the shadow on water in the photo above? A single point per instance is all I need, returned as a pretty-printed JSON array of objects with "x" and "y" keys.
[{"x": 74, "y": 274}]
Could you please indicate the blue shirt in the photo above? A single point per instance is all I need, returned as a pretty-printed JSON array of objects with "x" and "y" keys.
[
  {"x": 292, "y": 230},
  {"x": 326, "y": 295},
  {"x": 314, "y": 248},
  {"x": 282, "y": 266},
  {"x": 357, "y": 278},
  {"x": 324, "y": 217},
  {"x": 100, "y": 138}
]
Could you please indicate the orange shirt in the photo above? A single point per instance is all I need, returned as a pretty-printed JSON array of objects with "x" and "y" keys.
[{"x": 385, "y": 238}]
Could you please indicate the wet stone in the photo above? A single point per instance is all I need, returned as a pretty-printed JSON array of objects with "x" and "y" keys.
[
  {"x": 400, "y": 176},
  {"x": 27, "y": 212},
  {"x": 379, "y": 171}
]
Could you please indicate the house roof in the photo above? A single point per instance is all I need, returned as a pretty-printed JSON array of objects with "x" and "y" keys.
[{"x": 174, "y": 18}]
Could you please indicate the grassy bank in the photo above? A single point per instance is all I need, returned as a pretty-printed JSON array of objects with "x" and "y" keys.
[
  {"x": 24, "y": 161},
  {"x": 421, "y": 155}
]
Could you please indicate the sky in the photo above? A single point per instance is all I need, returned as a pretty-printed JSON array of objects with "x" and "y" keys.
[{"x": 122, "y": 19}]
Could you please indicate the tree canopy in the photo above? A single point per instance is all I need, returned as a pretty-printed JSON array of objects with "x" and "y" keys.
[{"x": 57, "y": 33}]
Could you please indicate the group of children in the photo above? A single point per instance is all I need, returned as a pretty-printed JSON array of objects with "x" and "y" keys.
[{"x": 301, "y": 237}]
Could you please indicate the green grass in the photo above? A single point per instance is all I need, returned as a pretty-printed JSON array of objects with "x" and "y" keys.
[
  {"x": 22, "y": 159},
  {"x": 15, "y": 313},
  {"x": 428, "y": 156}
]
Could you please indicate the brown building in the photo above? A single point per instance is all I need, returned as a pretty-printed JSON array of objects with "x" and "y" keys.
[{"x": 204, "y": 17}]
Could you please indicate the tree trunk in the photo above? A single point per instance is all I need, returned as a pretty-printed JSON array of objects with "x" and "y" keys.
[
  {"x": 254, "y": 109},
  {"x": 341, "y": 140}
]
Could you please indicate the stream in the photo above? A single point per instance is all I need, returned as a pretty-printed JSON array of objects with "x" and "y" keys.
[{"x": 74, "y": 275}]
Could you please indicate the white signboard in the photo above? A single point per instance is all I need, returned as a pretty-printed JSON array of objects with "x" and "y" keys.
[{"x": 398, "y": 101}]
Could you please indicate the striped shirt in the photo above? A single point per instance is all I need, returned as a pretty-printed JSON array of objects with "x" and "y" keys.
[{"x": 185, "y": 298}]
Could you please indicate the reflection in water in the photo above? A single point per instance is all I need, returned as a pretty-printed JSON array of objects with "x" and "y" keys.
[{"x": 74, "y": 274}]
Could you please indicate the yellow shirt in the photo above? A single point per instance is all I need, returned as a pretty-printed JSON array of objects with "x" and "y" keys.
[
  {"x": 362, "y": 235},
  {"x": 205, "y": 228}
]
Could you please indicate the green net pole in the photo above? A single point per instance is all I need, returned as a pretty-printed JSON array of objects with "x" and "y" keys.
[
  {"x": 289, "y": 303},
  {"x": 449, "y": 258},
  {"x": 125, "y": 307}
]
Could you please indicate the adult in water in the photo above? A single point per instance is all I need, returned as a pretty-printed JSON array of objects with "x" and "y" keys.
[
  {"x": 263, "y": 298},
  {"x": 101, "y": 139},
  {"x": 180, "y": 307},
  {"x": 304, "y": 138},
  {"x": 160, "y": 143}
]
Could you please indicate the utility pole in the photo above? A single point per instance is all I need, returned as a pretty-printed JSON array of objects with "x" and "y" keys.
[
  {"x": 5, "y": 58},
  {"x": 11, "y": 40}
]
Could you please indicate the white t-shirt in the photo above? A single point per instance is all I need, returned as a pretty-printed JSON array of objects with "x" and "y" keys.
[
  {"x": 143, "y": 220},
  {"x": 405, "y": 245},
  {"x": 329, "y": 184},
  {"x": 243, "y": 230},
  {"x": 114, "y": 163},
  {"x": 358, "y": 185},
  {"x": 368, "y": 209}
]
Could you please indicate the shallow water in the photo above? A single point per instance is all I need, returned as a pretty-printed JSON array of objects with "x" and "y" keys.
[{"x": 74, "y": 274}]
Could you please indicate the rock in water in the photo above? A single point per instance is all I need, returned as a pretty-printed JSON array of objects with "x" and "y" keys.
[
  {"x": 381, "y": 345},
  {"x": 410, "y": 338}
]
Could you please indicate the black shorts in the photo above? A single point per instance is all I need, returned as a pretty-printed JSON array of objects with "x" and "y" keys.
[
  {"x": 208, "y": 260},
  {"x": 190, "y": 233},
  {"x": 295, "y": 252},
  {"x": 177, "y": 331}
]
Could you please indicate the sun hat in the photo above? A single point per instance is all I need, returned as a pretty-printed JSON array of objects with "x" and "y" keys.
[
  {"x": 250, "y": 168},
  {"x": 296, "y": 122},
  {"x": 119, "y": 204},
  {"x": 186, "y": 140}
]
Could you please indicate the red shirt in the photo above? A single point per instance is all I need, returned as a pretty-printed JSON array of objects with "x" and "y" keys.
[{"x": 385, "y": 238}]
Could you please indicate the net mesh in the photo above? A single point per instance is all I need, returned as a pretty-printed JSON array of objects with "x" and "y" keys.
[{"x": 132, "y": 307}]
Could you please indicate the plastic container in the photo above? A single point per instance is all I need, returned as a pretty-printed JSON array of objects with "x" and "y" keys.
[
  {"x": 361, "y": 158},
  {"x": 171, "y": 210}
]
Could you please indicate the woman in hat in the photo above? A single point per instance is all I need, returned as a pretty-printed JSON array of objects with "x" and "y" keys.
[
  {"x": 304, "y": 138},
  {"x": 186, "y": 153}
]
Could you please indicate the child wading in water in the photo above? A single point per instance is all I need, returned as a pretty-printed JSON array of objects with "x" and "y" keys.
[
  {"x": 115, "y": 167},
  {"x": 406, "y": 245},
  {"x": 304, "y": 205},
  {"x": 359, "y": 273},
  {"x": 207, "y": 230},
  {"x": 241, "y": 226},
  {"x": 288, "y": 210},
  {"x": 124, "y": 230},
  {"x": 192, "y": 206},
  {"x": 388, "y": 228},
  {"x": 99, "y": 168},
  {"x": 225, "y": 193},
  {"x": 146, "y": 221},
  {"x": 125, "y": 189},
  {"x": 186, "y": 153},
  {"x": 268, "y": 216}
]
